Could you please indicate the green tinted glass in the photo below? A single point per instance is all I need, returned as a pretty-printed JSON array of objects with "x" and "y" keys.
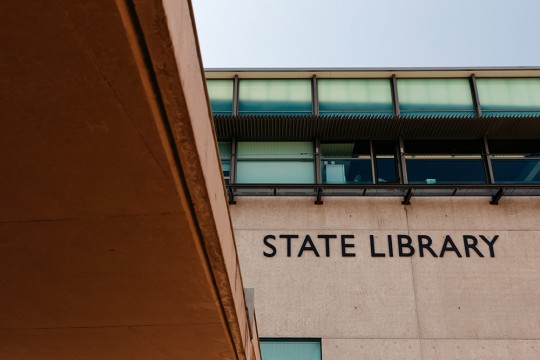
[
  {"x": 435, "y": 95},
  {"x": 224, "y": 150},
  {"x": 354, "y": 95},
  {"x": 275, "y": 172},
  {"x": 275, "y": 96},
  {"x": 275, "y": 150},
  {"x": 221, "y": 95},
  {"x": 275, "y": 163},
  {"x": 290, "y": 350},
  {"x": 509, "y": 95}
]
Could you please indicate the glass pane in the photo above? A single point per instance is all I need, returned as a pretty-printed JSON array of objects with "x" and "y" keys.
[
  {"x": 509, "y": 95},
  {"x": 386, "y": 161},
  {"x": 224, "y": 150},
  {"x": 518, "y": 170},
  {"x": 221, "y": 95},
  {"x": 290, "y": 350},
  {"x": 448, "y": 147},
  {"x": 275, "y": 150},
  {"x": 275, "y": 172},
  {"x": 435, "y": 95},
  {"x": 275, "y": 96},
  {"x": 347, "y": 172},
  {"x": 445, "y": 171},
  {"x": 226, "y": 167},
  {"x": 354, "y": 95},
  {"x": 522, "y": 147},
  {"x": 386, "y": 169},
  {"x": 345, "y": 150}
]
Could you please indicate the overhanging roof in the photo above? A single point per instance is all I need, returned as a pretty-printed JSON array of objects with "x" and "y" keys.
[{"x": 115, "y": 237}]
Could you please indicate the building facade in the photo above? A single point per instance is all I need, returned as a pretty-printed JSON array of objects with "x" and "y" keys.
[{"x": 386, "y": 214}]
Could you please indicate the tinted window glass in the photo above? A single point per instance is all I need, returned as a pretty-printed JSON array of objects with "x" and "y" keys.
[
  {"x": 342, "y": 96},
  {"x": 435, "y": 96},
  {"x": 275, "y": 96},
  {"x": 221, "y": 95},
  {"x": 444, "y": 162},
  {"x": 290, "y": 349}
]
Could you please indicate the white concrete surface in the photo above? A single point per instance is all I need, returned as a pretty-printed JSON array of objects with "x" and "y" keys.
[{"x": 366, "y": 307}]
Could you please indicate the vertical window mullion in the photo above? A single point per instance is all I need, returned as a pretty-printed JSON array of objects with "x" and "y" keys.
[
  {"x": 476, "y": 99},
  {"x": 232, "y": 175},
  {"x": 401, "y": 162},
  {"x": 487, "y": 161},
  {"x": 235, "y": 96},
  {"x": 373, "y": 165},
  {"x": 314, "y": 96},
  {"x": 395, "y": 97},
  {"x": 318, "y": 165}
]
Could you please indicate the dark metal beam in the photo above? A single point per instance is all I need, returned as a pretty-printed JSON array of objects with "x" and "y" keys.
[
  {"x": 495, "y": 198},
  {"x": 395, "y": 96},
  {"x": 236, "y": 84},
  {"x": 230, "y": 194},
  {"x": 407, "y": 197},
  {"x": 476, "y": 99},
  {"x": 319, "y": 201},
  {"x": 315, "y": 96}
]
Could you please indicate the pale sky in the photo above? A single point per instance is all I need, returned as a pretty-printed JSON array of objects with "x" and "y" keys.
[{"x": 375, "y": 33}]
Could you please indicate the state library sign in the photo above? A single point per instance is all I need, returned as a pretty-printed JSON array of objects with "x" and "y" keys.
[{"x": 391, "y": 245}]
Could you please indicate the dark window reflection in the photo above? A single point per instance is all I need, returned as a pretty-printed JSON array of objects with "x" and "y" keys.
[
  {"x": 445, "y": 162},
  {"x": 385, "y": 161},
  {"x": 515, "y": 161}
]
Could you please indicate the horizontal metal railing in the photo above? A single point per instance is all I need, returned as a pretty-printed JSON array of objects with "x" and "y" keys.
[{"x": 405, "y": 191}]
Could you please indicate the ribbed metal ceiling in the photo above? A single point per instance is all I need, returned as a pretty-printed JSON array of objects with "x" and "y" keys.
[{"x": 349, "y": 127}]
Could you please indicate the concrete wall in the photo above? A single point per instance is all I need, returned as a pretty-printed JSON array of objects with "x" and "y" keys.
[{"x": 366, "y": 307}]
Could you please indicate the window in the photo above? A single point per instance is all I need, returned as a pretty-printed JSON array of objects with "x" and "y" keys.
[
  {"x": 386, "y": 166},
  {"x": 515, "y": 161},
  {"x": 225, "y": 155},
  {"x": 352, "y": 96},
  {"x": 444, "y": 162},
  {"x": 346, "y": 163},
  {"x": 275, "y": 97},
  {"x": 291, "y": 349},
  {"x": 509, "y": 96},
  {"x": 221, "y": 96},
  {"x": 435, "y": 96},
  {"x": 275, "y": 163}
]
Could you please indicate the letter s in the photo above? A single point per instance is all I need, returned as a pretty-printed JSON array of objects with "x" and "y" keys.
[{"x": 272, "y": 247}]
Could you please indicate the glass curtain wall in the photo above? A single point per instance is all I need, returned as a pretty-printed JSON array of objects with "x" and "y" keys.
[
  {"x": 275, "y": 163},
  {"x": 444, "y": 162},
  {"x": 377, "y": 161},
  {"x": 515, "y": 162}
]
